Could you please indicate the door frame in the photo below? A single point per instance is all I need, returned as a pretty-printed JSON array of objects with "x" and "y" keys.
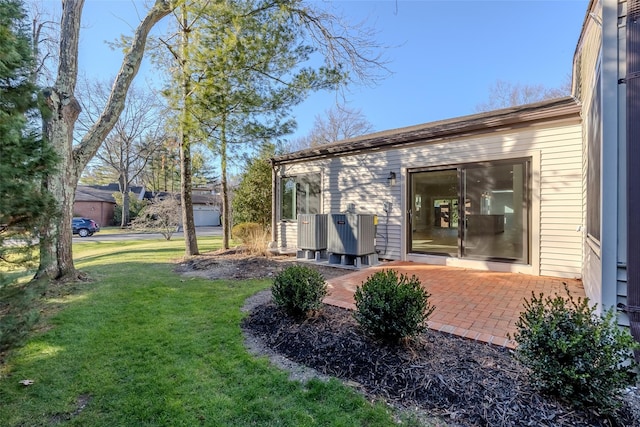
[{"x": 530, "y": 162}]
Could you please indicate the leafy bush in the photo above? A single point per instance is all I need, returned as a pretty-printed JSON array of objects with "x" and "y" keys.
[
  {"x": 572, "y": 352},
  {"x": 391, "y": 307},
  {"x": 298, "y": 290},
  {"x": 252, "y": 197}
]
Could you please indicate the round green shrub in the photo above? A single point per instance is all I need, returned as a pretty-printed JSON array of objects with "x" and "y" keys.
[
  {"x": 390, "y": 307},
  {"x": 299, "y": 290},
  {"x": 572, "y": 352}
]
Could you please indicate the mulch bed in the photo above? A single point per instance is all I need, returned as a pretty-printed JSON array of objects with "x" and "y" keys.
[{"x": 465, "y": 383}]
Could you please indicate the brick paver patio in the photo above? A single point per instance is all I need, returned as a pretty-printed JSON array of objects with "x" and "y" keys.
[{"x": 478, "y": 305}]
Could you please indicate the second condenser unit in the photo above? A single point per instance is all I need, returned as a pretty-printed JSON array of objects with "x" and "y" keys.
[{"x": 351, "y": 234}]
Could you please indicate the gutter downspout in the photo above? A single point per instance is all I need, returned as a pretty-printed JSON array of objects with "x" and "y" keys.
[
  {"x": 609, "y": 184},
  {"x": 632, "y": 81}
]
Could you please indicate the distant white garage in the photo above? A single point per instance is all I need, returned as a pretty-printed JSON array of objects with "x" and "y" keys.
[{"x": 206, "y": 215}]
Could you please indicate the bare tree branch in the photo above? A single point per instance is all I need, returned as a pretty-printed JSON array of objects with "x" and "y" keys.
[
  {"x": 335, "y": 124},
  {"x": 503, "y": 94},
  {"x": 344, "y": 45},
  {"x": 56, "y": 260},
  {"x": 115, "y": 104}
]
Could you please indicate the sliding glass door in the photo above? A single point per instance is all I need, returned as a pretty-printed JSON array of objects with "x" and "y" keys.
[
  {"x": 478, "y": 210},
  {"x": 435, "y": 212}
]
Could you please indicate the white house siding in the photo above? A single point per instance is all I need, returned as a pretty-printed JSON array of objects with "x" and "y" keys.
[
  {"x": 586, "y": 62},
  {"x": 362, "y": 181},
  {"x": 603, "y": 41},
  {"x": 555, "y": 149},
  {"x": 287, "y": 236}
]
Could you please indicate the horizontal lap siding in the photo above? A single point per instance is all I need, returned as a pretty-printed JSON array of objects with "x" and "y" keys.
[
  {"x": 585, "y": 63},
  {"x": 621, "y": 290},
  {"x": 561, "y": 206},
  {"x": 288, "y": 235},
  {"x": 361, "y": 180},
  {"x": 560, "y": 179}
]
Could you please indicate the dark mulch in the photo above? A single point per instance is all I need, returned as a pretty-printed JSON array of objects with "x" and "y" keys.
[
  {"x": 464, "y": 382},
  {"x": 237, "y": 264}
]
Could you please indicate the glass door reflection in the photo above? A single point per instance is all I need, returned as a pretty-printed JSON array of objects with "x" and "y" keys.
[
  {"x": 491, "y": 224},
  {"x": 434, "y": 213},
  {"x": 496, "y": 213}
]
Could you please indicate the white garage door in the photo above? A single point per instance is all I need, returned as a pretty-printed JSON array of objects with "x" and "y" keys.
[{"x": 206, "y": 216}]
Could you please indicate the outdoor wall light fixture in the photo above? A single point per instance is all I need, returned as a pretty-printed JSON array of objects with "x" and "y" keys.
[{"x": 391, "y": 179}]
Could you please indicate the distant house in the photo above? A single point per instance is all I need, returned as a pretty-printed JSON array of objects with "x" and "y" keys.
[
  {"x": 206, "y": 210},
  {"x": 550, "y": 188},
  {"x": 206, "y": 207},
  {"x": 97, "y": 202}
]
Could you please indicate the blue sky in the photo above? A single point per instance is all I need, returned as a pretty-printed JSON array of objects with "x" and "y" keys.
[{"x": 446, "y": 56}]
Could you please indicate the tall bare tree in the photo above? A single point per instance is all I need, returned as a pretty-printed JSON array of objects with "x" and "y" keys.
[
  {"x": 56, "y": 260},
  {"x": 335, "y": 124},
  {"x": 44, "y": 38},
  {"x": 136, "y": 136},
  {"x": 503, "y": 94}
]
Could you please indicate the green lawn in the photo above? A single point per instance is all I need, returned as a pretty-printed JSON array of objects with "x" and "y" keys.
[
  {"x": 143, "y": 346},
  {"x": 115, "y": 229}
]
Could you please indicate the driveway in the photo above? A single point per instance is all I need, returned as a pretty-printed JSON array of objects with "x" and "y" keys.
[{"x": 105, "y": 237}]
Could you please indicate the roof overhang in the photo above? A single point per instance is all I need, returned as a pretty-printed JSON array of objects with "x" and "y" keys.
[{"x": 556, "y": 109}]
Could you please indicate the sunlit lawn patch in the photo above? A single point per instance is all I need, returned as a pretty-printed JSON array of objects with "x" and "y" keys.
[{"x": 141, "y": 345}]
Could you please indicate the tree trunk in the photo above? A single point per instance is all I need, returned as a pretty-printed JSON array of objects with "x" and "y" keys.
[
  {"x": 56, "y": 259},
  {"x": 125, "y": 209},
  {"x": 124, "y": 189},
  {"x": 226, "y": 224},
  {"x": 188, "y": 223}
]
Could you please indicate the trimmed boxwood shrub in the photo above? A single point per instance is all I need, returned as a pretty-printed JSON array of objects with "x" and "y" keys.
[
  {"x": 572, "y": 352},
  {"x": 299, "y": 290},
  {"x": 390, "y": 307}
]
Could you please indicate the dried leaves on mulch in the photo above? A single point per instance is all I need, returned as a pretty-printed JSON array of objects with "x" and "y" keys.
[
  {"x": 237, "y": 264},
  {"x": 466, "y": 383}
]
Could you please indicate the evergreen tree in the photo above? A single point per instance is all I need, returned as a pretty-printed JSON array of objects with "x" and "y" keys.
[
  {"x": 252, "y": 198},
  {"x": 238, "y": 67},
  {"x": 25, "y": 157},
  {"x": 252, "y": 66}
]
